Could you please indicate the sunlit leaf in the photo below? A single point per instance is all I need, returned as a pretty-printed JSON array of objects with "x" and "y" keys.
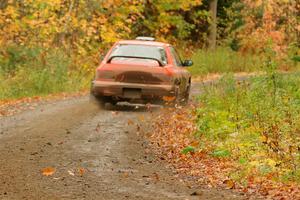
[
  {"x": 168, "y": 98},
  {"x": 48, "y": 171},
  {"x": 229, "y": 184}
]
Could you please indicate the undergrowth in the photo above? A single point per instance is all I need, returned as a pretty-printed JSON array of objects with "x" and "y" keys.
[
  {"x": 27, "y": 71},
  {"x": 225, "y": 60},
  {"x": 34, "y": 71},
  {"x": 255, "y": 122}
]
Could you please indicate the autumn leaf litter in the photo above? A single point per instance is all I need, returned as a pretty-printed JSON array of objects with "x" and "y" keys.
[{"x": 172, "y": 139}]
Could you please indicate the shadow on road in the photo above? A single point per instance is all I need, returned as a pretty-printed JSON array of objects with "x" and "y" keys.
[{"x": 126, "y": 107}]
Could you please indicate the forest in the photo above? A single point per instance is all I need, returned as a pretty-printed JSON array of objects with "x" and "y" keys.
[{"x": 56, "y": 44}]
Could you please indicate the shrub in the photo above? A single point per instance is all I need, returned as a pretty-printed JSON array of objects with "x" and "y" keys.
[
  {"x": 32, "y": 71},
  {"x": 225, "y": 60},
  {"x": 254, "y": 124}
]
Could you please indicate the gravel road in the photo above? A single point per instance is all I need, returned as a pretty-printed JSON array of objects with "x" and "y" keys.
[{"x": 96, "y": 154}]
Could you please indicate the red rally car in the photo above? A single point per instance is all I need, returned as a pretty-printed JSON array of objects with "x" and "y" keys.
[{"x": 142, "y": 71}]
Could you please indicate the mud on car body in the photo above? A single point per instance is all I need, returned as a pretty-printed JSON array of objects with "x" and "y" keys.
[{"x": 142, "y": 71}]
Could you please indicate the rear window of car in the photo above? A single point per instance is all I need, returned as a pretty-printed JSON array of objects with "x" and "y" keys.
[{"x": 140, "y": 52}]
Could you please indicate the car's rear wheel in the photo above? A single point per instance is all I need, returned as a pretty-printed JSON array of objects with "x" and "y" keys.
[
  {"x": 178, "y": 98},
  {"x": 182, "y": 99},
  {"x": 186, "y": 95}
]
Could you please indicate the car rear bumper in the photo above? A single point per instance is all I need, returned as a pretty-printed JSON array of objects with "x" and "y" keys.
[{"x": 116, "y": 89}]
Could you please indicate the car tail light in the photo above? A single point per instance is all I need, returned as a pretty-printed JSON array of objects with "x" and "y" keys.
[{"x": 105, "y": 74}]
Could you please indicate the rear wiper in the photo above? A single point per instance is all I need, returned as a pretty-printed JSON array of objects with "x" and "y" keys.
[{"x": 159, "y": 61}]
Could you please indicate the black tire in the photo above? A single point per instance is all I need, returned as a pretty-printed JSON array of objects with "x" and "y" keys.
[
  {"x": 182, "y": 99},
  {"x": 186, "y": 96},
  {"x": 178, "y": 99}
]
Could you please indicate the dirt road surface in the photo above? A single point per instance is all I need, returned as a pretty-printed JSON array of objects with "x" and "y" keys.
[{"x": 96, "y": 154}]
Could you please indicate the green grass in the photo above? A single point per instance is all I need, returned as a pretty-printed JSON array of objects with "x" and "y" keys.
[
  {"x": 257, "y": 122},
  {"x": 33, "y": 71},
  {"x": 225, "y": 60},
  {"x": 27, "y": 72}
]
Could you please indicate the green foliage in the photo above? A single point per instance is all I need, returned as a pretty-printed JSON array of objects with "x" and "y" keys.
[
  {"x": 296, "y": 58},
  {"x": 31, "y": 71},
  {"x": 224, "y": 60},
  {"x": 30, "y": 30},
  {"x": 259, "y": 127},
  {"x": 220, "y": 153},
  {"x": 188, "y": 149}
]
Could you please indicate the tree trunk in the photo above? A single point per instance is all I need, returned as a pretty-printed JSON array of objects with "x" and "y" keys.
[
  {"x": 213, "y": 25},
  {"x": 3, "y": 4}
]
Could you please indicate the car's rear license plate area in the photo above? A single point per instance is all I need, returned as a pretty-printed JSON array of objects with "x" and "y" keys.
[{"x": 132, "y": 93}]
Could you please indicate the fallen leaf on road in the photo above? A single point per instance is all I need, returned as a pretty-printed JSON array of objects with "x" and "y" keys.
[
  {"x": 48, "y": 171},
  {"x": 71, "y": 173},
  {"x": 81, "y": 171},
  {"x": 156, "y": 177},
  {"x": 141, "y": 118},
  {"x": 130, "y": 122},
  {"x": 125, "y": 174}
]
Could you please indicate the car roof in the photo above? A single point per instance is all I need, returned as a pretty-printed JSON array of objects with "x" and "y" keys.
[{"x": 143, "y": 42}]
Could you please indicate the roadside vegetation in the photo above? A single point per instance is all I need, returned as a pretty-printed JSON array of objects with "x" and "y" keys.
[
  {"x": 54, "y": 46},
  {"x": 254, "y": 122},
  {"x": 30, "y": 71},
  {"x": 241, "y": 133},
  {"x": 225, "y": 60}
]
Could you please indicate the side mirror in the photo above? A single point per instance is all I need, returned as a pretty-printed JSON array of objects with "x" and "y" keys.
[{"x": 187, "y": 63}]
